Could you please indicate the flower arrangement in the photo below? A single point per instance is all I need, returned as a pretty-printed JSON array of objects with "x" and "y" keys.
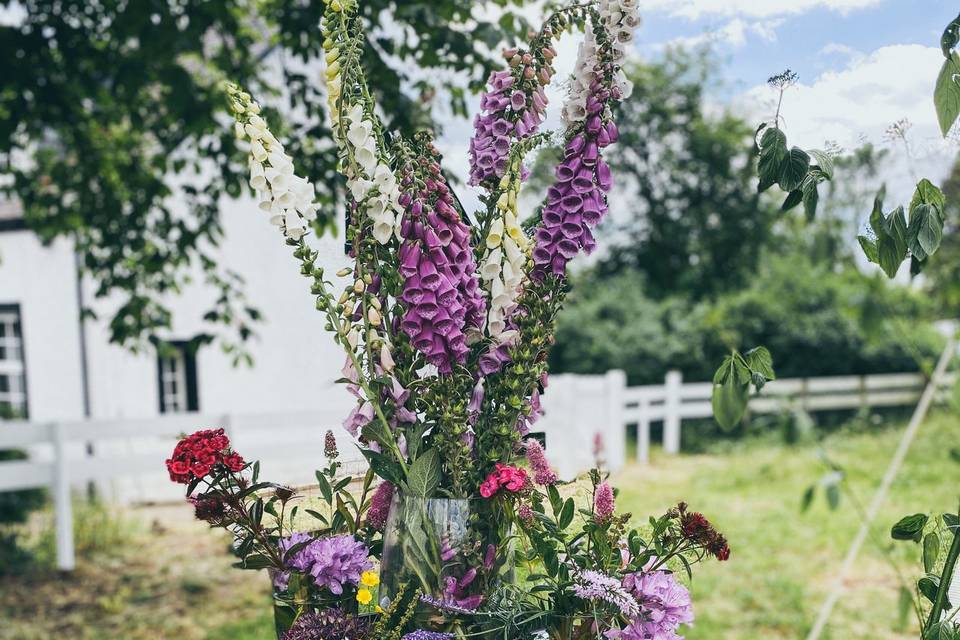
[{"x": 445, "y": 318}]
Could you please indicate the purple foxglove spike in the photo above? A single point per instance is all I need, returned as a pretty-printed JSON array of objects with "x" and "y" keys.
[
  {"x": 532, "y": 120},
  {"x": 405, "y": 200},
  {"x": 430, "y": 184},
  {"x": 590, "y": 154},
  {"x": 375, "y": 284},
  {"x": 462, "y": 257},
  {"x": 521, "y": 128},
  {"x": 427, "y": 310},
  {"x": 486, "y": 160},
  {"x": 439, "y": 346},
  {"x": 554, "y": 194},
  {"x": 500, "y": 166},
  {"x": 448, "y": 553},
  {"x": 544, "y": 235},
  {"x": 575, "y": 146},
  {"x": 518, "y": 100},
  {"x": 447, "y": 297},
  {"x": 540, "y": 100},
  {"x": 416, "y": 208},
  {"x": 604, "y": 177},
  {"x": 506, "y": 80},
  {"x": 489, "y": 363},
  {"x": 603, "y": 138}
]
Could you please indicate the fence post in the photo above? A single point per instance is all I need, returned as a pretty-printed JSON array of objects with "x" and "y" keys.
[
  {"x": 643, "y": 431},
  {"x": 615, "y": 431},
  {"x": 63, "y": 509},
  {"x": 671, "y": 408}
]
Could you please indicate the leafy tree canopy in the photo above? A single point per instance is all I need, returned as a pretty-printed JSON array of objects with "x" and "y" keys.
[{"x": 110, "y": 111}]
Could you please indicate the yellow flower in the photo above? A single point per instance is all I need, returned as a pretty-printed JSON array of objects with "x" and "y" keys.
[
  {"x": 364, "y": 596},
  {"x": 378, "y": 609},
  {"x": 369, "y": 579}
]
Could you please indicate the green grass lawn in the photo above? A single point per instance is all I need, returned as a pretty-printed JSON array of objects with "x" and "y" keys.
[
  {"x": 783, "y": 560},
  {"x": 170, "y": 577}
]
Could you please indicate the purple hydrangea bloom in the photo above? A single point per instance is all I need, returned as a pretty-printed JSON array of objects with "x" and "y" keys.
[
  {"x": 441, "y": 287},
  {"x": 506, "y": 113},
  {"x": 664, "y": 605},
  {"x": 333, "y": 562}
]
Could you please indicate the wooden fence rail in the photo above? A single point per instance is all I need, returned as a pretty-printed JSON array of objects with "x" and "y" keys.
[{"x": 581, "y": 412}]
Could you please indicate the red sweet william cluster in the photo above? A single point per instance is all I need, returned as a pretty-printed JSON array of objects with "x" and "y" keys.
[
  {"x": 197, "y": 454},
  {"x": 513, "y": 479}
]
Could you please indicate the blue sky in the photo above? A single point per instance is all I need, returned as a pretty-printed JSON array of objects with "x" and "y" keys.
[{"x": 809, "y": 42}]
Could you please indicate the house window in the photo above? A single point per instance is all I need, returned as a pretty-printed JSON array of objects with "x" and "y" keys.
[
  {"x": 13, "y": 370},
  {"x": 177, "y": 377}
]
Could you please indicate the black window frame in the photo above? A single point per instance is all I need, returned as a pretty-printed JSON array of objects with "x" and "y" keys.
[{"x": 187, "y": 351}]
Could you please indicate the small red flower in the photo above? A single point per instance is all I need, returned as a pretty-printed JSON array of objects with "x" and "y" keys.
[
  {"x": 513, "y": 479},
  {"x": 196, "y": 455}
]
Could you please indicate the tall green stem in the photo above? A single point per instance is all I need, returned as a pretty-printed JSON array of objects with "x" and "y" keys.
[{"x": 945, "y": 579}]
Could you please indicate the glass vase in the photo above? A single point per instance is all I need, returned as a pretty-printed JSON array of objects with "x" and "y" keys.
[{"x": 455, "y": 551}]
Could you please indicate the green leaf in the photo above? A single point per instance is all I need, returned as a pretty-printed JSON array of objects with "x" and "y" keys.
[
  {"x": 256, "y": 561},
  {"x": 566, "y": 514},
  {"x": 869, "y": 248},
  {"x": 555, "y": 502},
  {"x": 833, "y": 495},
  {"x": 951, "y": 521},
  {"x": 824, "y": 161},
  {"x": 946, "y": 94},
  {"x": 423, "y": 477},
  {"x": 909, "y": 527},
  {"x": 876, "y": 215},
  {"x": 794, "y": 169},
  {"x": 793, "y": 199},
  {"x": 927, "y": 192},
  {"x": 891, "y": 242},
  {"x": 760, "y": 361},
  {"x": 931, "y": 551},
  {"x": 384, "y": 466},
  {"x": 773, "y": 154},
  {"x": 807, "y": 499},
  {"x": 927, "y": 586},
  {"x": 325, "y": 487},
  {"x": 904, "y": 605},
  {"x": 729, "y": 402},
  {"x": 810, "y": 198},
  {"x": 925, "y": 231}
]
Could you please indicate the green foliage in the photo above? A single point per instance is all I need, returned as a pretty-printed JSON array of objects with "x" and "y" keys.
[
  {"x": 946, "y": 95},
  {"x": 691, "y": 221},
  {"x": 732, "y": 380},
  {"x": 894, "y": 239},
  {"x": 111, "y": 128},
  {"x": 817, "y": 319}
]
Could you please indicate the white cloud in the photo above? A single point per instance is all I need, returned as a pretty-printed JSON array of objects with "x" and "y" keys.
[
  {"x": 752, "y": 8},
  {"x": 733, "y": 34}
]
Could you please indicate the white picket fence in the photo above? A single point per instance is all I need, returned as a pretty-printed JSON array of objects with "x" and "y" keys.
[{"x": 127, "y": 460}]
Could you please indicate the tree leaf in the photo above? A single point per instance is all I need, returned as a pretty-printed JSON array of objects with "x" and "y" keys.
[
  {"x": 793, "y": 199},
  {"x": 824, "y": 161},
  {"x": 729, "y": 402},
  {"x": 909, "y": 527},
  {"x": 869, "y": 248},
  {"x": 566, "y": 514},
  {"x": 773, "y": 154},
  {"x": 760, "y": 361},
  {"x": 925, "y": 231},
  {"x": 891, "y": 242},
  {"x": 794, "y": 169},
  {"x": 423, "y": 478},
  {"x": 927, "y": 586},
  {"x": 384, "y": 466},
  {"x": 810, "y": 198},
  {"x": 931, "y": 551},
  {"x": 807, "y": 499},
  {"x": 929, "y": 193},
  {"x": 946, "y": 94}
]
